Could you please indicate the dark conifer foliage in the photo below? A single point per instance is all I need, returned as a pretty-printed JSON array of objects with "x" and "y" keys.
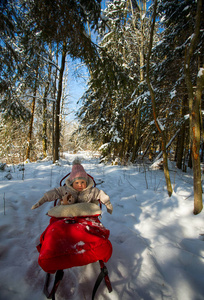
[
  {"x": 9, "y": 22},
  {"x": 116, "y": 109},
  {"x": 63, "y": 20},
  {"x": 177, "y": 20},
  {"x": 116, "y": 92},
  {"x": 11, "y": 61},
  {"x": 114, "y": 84}
]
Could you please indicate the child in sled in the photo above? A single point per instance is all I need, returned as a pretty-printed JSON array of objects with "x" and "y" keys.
[{"x": 79, "y": 187}]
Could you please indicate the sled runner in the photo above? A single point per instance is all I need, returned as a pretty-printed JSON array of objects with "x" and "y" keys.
[{"x": 74, "y": 237}]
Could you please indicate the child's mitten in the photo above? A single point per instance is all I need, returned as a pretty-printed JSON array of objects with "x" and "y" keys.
[
  {"x": 35, "y": 205},
  {"x": 40, "y": 202},
  {"x": 109, "y": 208}
]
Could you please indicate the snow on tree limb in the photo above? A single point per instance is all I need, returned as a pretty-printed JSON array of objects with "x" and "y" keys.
[{"x": 169, "y": 143}]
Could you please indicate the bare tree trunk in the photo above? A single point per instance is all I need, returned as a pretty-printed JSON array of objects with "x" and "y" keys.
[
  {"x": 30, "y": 132},
  {"x": 57, "y": 110},
  {"x": 152, "y": 94},
  {"x": 44, "y": 135},
  {"x": 53, "y": 129},
  {"x": 136, "y": 132},
  {"x": 142, "y": 10},
  {"x": 194, "y": 112},
  {"x": 180, "y": 147},
  {"x": 29, "y": 139},
  {"x": 181, "y": 136},
  {"x": 53, "y": 104}
]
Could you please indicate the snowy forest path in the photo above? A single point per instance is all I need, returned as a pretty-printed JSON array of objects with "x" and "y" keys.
[{"x": 157, "y": 246}]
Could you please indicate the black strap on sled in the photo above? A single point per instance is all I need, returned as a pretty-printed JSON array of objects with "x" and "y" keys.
[
  {"x": 58, "y": 277},
  {"x": 101, "y": 276}
]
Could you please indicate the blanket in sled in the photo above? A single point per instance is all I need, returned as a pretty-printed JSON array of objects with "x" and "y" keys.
[{"x": 74, "y": 237}]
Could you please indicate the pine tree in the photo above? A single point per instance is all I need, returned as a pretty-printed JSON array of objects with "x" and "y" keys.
[
  {"x": 181, "y": 48},
  {"x": 112, "y": 83},
  {"x": 65, "y": 23}
]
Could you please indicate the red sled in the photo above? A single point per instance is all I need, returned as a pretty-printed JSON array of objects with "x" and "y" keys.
[{"x": 71, "y": 242}]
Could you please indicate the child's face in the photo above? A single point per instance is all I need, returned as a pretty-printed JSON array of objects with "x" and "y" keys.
[{"x": 79, "y": 185}]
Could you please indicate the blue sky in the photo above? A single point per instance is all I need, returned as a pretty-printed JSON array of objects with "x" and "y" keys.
[
  {"x": 77, "y": 84},
  {"x": 77, "y": 78}
]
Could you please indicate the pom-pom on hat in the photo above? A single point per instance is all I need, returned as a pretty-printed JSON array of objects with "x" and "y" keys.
[{"x": 77, "y": 172}]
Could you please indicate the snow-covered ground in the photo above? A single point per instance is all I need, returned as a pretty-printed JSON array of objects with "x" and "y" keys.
[{"x": 158, "y": 244}]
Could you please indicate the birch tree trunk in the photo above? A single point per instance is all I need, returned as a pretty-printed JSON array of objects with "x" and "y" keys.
[
  {"x": 194, "y": 112},
  {"x": 152, "y": 94}
]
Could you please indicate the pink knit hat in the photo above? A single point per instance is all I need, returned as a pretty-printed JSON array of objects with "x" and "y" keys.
[{"x": 77, "y": 172}]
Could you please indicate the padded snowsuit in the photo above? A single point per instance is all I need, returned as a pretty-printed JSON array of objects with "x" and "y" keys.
[{"x": 89, "y": 194}]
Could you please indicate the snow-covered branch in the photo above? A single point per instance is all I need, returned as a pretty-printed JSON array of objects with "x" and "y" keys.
[{"x": 49, "y": 61}]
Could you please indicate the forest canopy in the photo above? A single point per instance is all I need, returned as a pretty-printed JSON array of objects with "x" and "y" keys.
[{"x": 116, "y": 114}]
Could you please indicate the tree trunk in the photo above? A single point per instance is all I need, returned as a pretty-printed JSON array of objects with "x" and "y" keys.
[
  {"x": 180, "y": 147},
  {"x": 57, "y": 110},
  {"x": 44, "y": 128},
  {"x": 30, "y": 132},
  {"x": 53, "y": 128},
  {"x": 195, "y": 135},
  {"x": 194, "y": 112},
  {"x": 136, "y": 131},
  {"x": 142, "y": 10},
  {"x": 44, "y": 135},
  {"x": 53, "y": 104},
  {"x": 195, "y": 132},
  {"x": 181, "y": 137},
  {"x": 152, "y": 94},
  {"x": 29, "y": 139}
]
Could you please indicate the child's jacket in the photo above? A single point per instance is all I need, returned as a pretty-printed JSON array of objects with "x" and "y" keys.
[{"x": 90, "y": 194}]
